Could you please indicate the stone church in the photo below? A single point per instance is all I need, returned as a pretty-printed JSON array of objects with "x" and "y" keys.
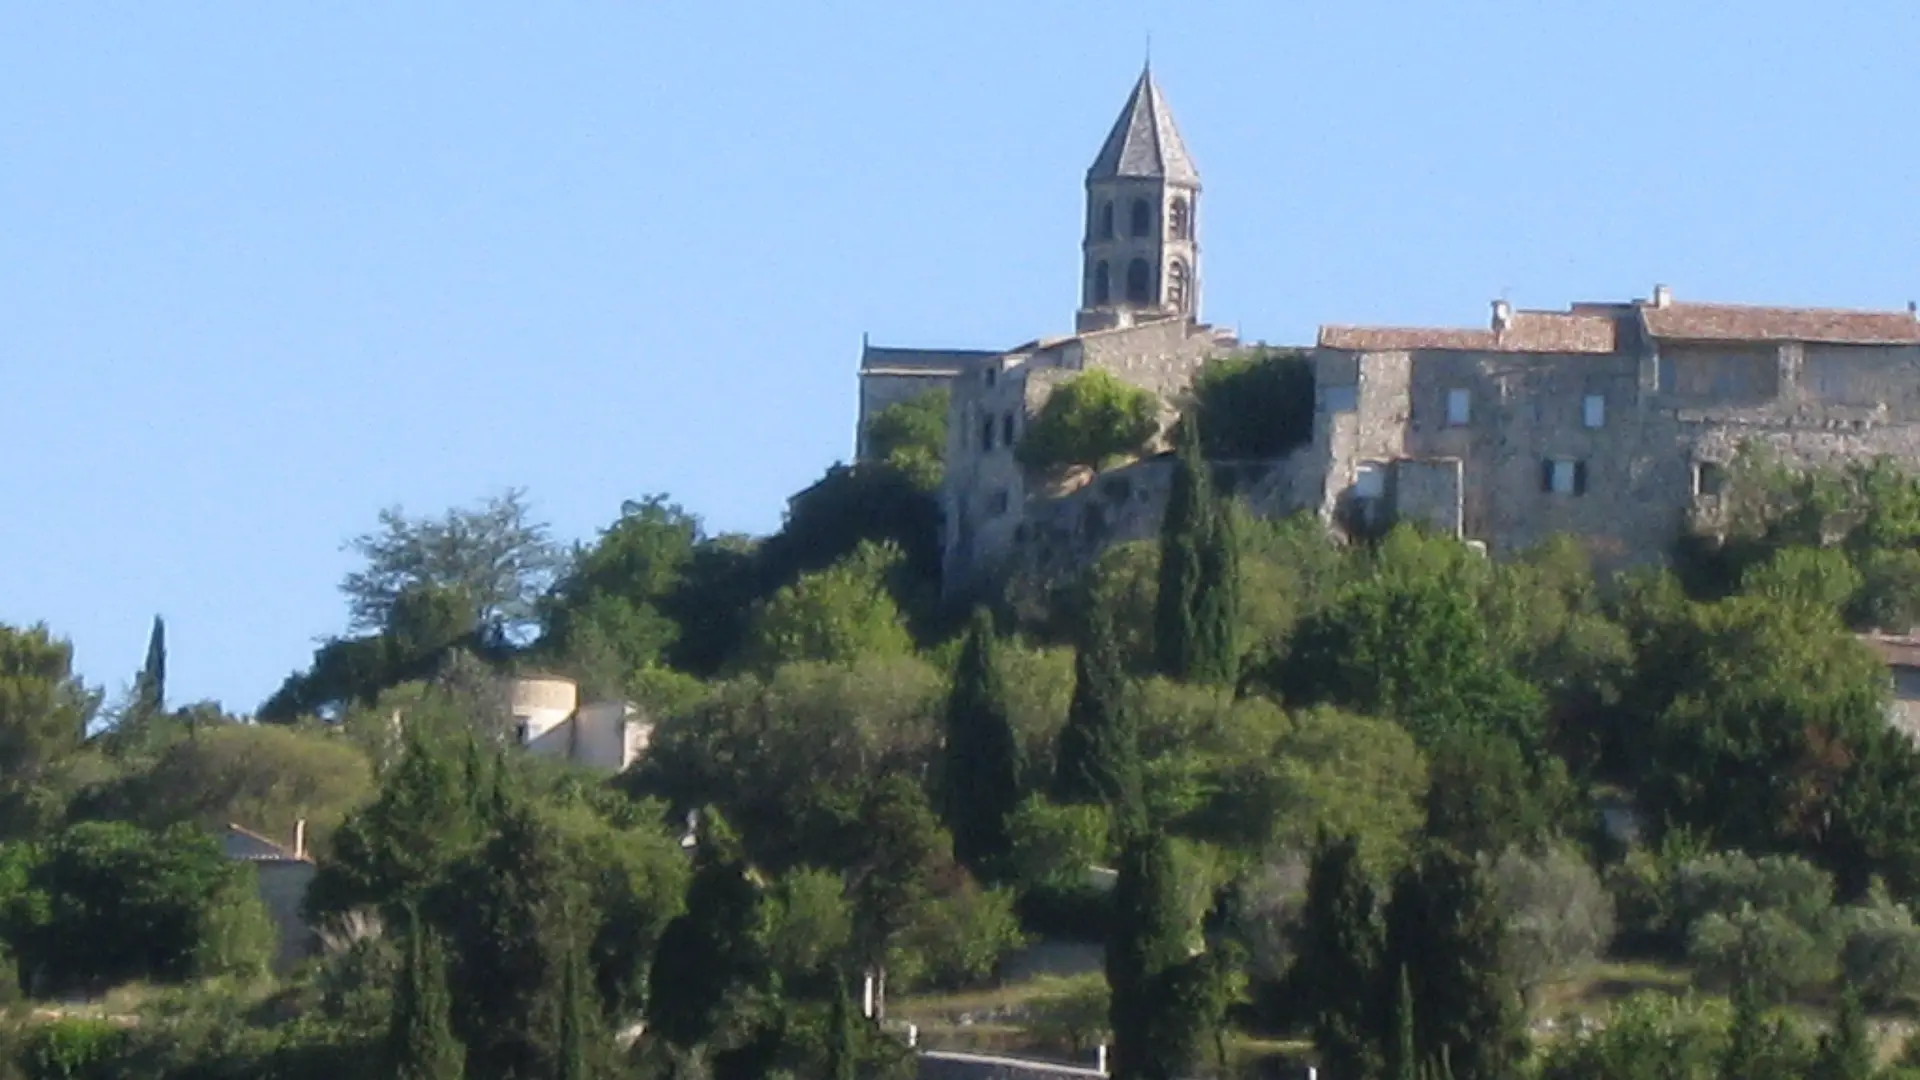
[{"x": 1610, "y": 421}]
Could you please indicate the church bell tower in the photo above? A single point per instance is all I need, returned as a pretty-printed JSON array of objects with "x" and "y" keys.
[{"x": 1141, "y": 256}]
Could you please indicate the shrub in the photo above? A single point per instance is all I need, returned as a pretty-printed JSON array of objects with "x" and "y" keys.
[
  {"x": 1724, "y": 883},
  {"x": 1880, "y": 952},
  {"x": 1088, "y": 419},
  {"x": 1764, "y": 950},
  {"x": 72, "y": 1049},
  {"x": 1648, "y": 1035},
  {"x": 1259, "y": 405},
  {"x": 1559, "y": 916},
  {"x": 1070, "y": 1012},
  {"x": 961, "y": 938}
]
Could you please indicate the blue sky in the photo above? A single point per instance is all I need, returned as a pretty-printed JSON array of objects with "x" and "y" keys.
[{"x": 266, "y": 268}]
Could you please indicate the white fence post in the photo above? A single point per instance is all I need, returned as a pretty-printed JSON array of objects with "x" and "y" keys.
[
  {"x": 866, "y": 997},
  {"x": 1100, "y": 1059}
]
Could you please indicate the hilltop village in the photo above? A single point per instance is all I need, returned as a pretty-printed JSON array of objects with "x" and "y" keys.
[{"x": 1527, "y": 702}]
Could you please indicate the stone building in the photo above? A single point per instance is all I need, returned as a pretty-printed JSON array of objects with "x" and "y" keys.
[
  {"x": 549, "y": 719},
  {"x": 1138, "y": 318},
  {"x": 283, "y": 873},
  {"x": 1612, "y": 422}
]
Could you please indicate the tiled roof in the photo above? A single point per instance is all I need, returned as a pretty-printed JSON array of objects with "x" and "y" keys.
[
  {"x": 1738, "y": 322},
  {"x": 1526, "y": 331},
  {"x": 1144, "y": 141}
]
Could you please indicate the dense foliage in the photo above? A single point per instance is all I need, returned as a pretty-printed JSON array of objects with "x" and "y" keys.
[{"x": 1087, "y": 420}]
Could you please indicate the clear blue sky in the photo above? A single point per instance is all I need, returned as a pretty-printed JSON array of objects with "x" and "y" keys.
[{"x": 266, "y": 268}]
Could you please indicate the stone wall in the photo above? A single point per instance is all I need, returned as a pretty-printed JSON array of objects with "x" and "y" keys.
[
  {"x": 1626, "y": 433},
  {"x": 986, "y": 500}
]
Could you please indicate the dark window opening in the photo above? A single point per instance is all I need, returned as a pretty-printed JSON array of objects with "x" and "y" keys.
[
  {"x": 1177, "y": 285},
  {"x": 1102, "y": 283},
  {"x": 1106, "y": 221},
  {"x": 1139, "y": 282},
  {"x": 1006, "y": 430},
  {"x": 998, "y": 505},
  {"x": 986, "y": 434},
  {"x": 1142, "y": 218},
  {"x": 1709, "y": 478}
]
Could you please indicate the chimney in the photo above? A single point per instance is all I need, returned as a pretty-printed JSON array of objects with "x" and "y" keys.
[
  {"x": 1913, "y": 309},
  {"x": 1502, "y": 315},
  {"x": 1662, "y": 296},
  {"x": 300, "y": 839}
]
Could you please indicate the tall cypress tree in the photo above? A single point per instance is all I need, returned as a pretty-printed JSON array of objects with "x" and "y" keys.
[
  {"x": 981, "y": 780},
  {"x": 843, "y": 1037},
  {"x": 150, "y": 689},
  {"x": 1406, "y": 1051},
  {"x": 420, "y": 1040},
  {"x": 707, "y": 953},
  {"x": 1097, "y": 756},
  {"x": 1444, "y": 927},
  {"x": 1157, "y": 1021},
  {"x": 1199, "y": 598},
  {"x": 1340, "y": 961},
  {"x": 581, "y": 1033}
]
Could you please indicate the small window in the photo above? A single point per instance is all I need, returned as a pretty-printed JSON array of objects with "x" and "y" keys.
[
  {"x": 991, "y": 374},
  {"x": 1177, "y": 285},
  {"x": 1593, "y": 410},
  {"x": 1370, "y": 482},
  {"x": 1340, "y": 399},
  {"x": 1142, "y": 218},
  {"x": 998, "y": 504},
  {"x": 1139, "y": 282},
  {"x": 1106, "y": 221},
  {"x": 986, "y": 434},
  {"x": 1006, "y": 430},
  {"x": 1709, "y": 478},
  {"x": 1179, "y": 223},
  {"x": 1563, "y": 476},
  {"x": 1102, "y": 283},
  {"x": 1459, "y": 408},
  {"x": 520, "y": 728}
]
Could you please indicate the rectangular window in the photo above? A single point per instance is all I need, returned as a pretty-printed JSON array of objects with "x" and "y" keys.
[
  {"x": 986, "y": 434},
  {"x": 1709, "y": 477},
  {"x": 1593, "y": 410},
  {"x": 1459, "y": 408},
  {"x": 1006, "y": 430},
  {"x": 1563, "y": 476},
  {"x": 991, "y": 373},
  {"x": 1340, "y": 399},
  {"x": 1370, "y": 482},
  {"x": 998, "y": 504}
]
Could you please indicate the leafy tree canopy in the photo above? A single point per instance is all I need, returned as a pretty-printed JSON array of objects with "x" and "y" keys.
[{"x": 1088, "y": 419}]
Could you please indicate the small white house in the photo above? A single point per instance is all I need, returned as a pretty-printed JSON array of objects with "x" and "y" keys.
[{"x": 549, "y": 719}]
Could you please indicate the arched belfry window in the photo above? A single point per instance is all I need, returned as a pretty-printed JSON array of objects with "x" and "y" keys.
[
  {"x": 1177, "y": 285},
  {"x": 1106, "y": 221},
  {"x": 1102, "y": 283},
  {"x": 1179, "y": 219},
  {"x": 1139, "y": 282},
  {"x": 1142, "y": 218}
]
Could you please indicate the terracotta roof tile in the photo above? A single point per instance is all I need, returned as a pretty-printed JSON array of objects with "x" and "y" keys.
[
  {"x": 1527, "y": 331},
  {"x": 1739, "y": 322}
]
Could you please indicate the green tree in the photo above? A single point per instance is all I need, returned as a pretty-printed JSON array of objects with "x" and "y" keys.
[
  {"x": 1445, "y": 927},
  {"x": 420, "y": 1040},
  {"x": 980, "y": 780},
  {"x": 605, "y": 614},
  {"x": 1098, "y": 759},
  {"x": 44, "y": 712},
  {"x": 708, "y": 954},
  {"x": 584, "y": 1046},
  {"x": 1341, "y": 950},
  {"x": 911, "y": 435},
  {"x": 1197, "y": 612},
  {"x": 843, "y": 1035},
  {"x": 1846, "y": 1051},
  {"x": 112, "y": 903},
  {"x": 1157, "y": 1019},
  {"x": 150, "y": 687},
  {"x": 834, "y": 616},
  {"x": 1088, "y": 419},
  {"x": 1255, "y": 405},
  {"x": 895, "y": 849},
  {"x": 1485, "y": 796},
  {"x": 495, "y": 555}
]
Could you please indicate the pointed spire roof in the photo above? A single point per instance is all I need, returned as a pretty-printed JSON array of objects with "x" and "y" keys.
[{"x": 1144, "y": 141}]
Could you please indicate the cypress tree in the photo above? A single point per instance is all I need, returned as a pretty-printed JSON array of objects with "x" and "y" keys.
[
  {"x": 707, "y": 952},
  {"x": 1340, "y": 961},
  {"x": 150, "y": 689},
  {"x": 1198, "y": 603},
  {"x": 1445, "y": 929},
  {"x": 579, "y": 1052},
  {"x": 981, "y": 781},
  {"x": 1406, "y": 1053},
  {"x": 1846, "y": 1051},
  {"x": 1157, "y": 1021},
  {"x": 1097, "y": 756},
  {"x": 420, "y": 1040},
  {"x": 843, "y": 1038}
]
